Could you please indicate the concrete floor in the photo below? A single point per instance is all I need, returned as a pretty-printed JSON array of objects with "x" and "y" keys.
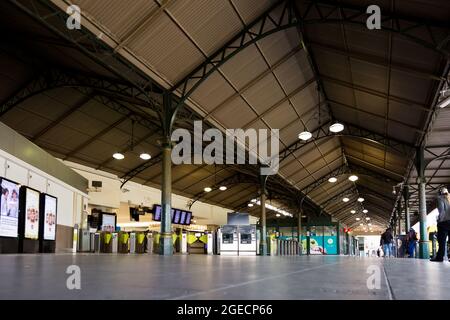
[{"x": 218, "y": 277}]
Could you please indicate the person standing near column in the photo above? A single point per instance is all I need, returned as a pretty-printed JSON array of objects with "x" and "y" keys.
[{"x": 443, "y": 223}]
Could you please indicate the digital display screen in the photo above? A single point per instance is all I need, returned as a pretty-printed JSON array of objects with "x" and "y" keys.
[
  {"x": 177, "y": 216},
  {"x": 50, "y": 218},
  {"x": 31, "y": 214},
  {"x": 9, "y": 208},
  {"x": 108, "y": 222},
  {"x": 188, "y": 218},
  {"x": 157, "y": 212},
  {"x": 183, "y": 217}
]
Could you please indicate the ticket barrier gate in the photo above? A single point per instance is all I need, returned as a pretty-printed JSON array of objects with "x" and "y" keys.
[
  {"x": 140, "y": 242},
  {"x": 123, "y": 242},
  {"x": 287, "y": 247},
  {"x": 150, "y": 244},
  {"x": 115, "y": 242},
  {"x": 105, "y": 242},
  {"x": 95, "y": 242}
]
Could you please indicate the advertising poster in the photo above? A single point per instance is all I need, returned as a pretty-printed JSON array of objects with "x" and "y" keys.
[
  {"x": 9, "y": 211},
  {"x": 31, "y": 214},
  {"x": 50, "y": 218},
  {"x": 108, "y": 223},
  {"x": 330, "y": 243},
  {"x": 316, "y": 245}
]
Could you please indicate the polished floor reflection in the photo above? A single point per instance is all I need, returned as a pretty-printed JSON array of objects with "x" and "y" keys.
[{"x": 216, "y": 277}]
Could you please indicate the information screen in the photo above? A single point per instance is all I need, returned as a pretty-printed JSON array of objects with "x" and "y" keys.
[
  {"x": 183, "y": 217},
  {"x": 9, "y": 208},
  {"x": 188, "y": 218},
  {"x": 31, "y": 214},
  {"x": 157, "y": 212},
  {"x": 177, "y": 216},
  {"x": 108, "y": 222},
  {"x": 50, "y": 218}
]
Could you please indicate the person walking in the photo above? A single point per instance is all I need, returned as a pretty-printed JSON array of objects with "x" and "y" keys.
[
  {"x": 411, "y": 240},
  {"x": 443, "y": 223},
  {"x": 386, "y": 242}
]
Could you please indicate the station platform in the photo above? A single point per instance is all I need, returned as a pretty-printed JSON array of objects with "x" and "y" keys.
[{"x": 153, "y": 277}]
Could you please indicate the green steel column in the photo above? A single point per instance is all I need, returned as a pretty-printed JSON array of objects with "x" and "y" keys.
[
  {"x": 299, "y": 232},
  {"x": 407, "y": 217},
  {"x": 263, "y": 224},
  {"x": 424, "y": 252},
  {"x": 165, "y": 240},
  {"x": 166, "y": 246}
]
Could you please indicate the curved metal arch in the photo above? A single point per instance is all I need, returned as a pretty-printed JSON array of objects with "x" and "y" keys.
[{"x": 289, "y": 18}]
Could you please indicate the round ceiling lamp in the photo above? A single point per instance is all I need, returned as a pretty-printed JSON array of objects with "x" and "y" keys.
[
  {"x": 357, "y": 219},
  {"x": 353, "y": 178},
  {"x": 207, "y": 189},
  {"x": 145, "y": 156},
  {"x": 222, "y": 188},
  {"x": 332, "y": 179},
  {"x": 365, "y": 210},
  {"x": 305, "y": 135},
  {"x": 353, "y": 211},
  {"x": 336, "y": 127},
  {"x": 278, "y": 215},
  {"x": 360, "y": 199},
  {"x": 367, "y": 218},
  {"x": 346, "y": 199},
  {"x": 118, "y": 156},
  {"x": 250, "y": 205}
]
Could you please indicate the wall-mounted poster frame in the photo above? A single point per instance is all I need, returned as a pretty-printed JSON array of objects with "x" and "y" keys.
[{"x": 48, "y": 223}]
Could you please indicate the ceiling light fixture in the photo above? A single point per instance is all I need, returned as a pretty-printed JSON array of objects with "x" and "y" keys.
[
  {"x": 367, "y": 218},
  {"x": 360, "y": 199},
  {"x": 336, "y": 127},
  {"x": 207, "y": 189},
  {"x": 353, "y": 211},
  {"x": 278, "y": 215},
  {"x": 305, "y": 135},
  {"x": 118, "y": 156},
  {"x": 250, "y": 205},
  {"x": 365, "y": 210},
  {"x": 332, "y": 179},
  {"x": 222, "y": 188},
  {"x": 357, "y": 219},
  {"x": 145, "y": 156},
  {"x": 346, "y": 199},
  {"x": 353, "y": 178},
  {"x": 444, "y": 103}
]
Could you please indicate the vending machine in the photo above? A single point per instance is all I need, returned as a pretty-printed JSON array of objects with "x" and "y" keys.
[
  {"x": 247, "y": 241},
  {"x": 229, "y": 240}
]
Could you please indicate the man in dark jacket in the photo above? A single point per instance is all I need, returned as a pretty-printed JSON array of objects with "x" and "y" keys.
[
  {"x": 386, "y": 242},
  {"x": 443, "y": 223}
]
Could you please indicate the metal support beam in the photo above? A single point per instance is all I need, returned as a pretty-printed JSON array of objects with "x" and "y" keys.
[
  {"x": 424, "y": 252},
  {"x": 263, "y": 196},
  {"x": 407, "y": 217},
  {"x": 165, "y": 242}
]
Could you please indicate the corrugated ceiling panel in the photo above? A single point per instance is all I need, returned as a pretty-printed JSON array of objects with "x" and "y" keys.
[
  {"x": 118, "y": 16},
  {"x": 369, "y": 75},
  {"x": 227, "y": 114},
  {"x": 249, "y": 11},
  {"x": 264, "y": 94},
  {"x": 294, "y": 73},
  {"x": 245, "y": 67},
  {"x": 277, "y": 45},
  {"x": 366, "y": 41},
  {"x": 280, "y": 116},
  {"x": 167, "y": 49},
  {"x": 213, "y": 92},
  {"x": 306, "y": 100},
  {"x": 211, "y": 23}
]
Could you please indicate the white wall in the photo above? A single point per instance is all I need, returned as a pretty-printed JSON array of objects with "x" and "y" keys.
[
  {"x": 111, "y": 196},
  {"x": 19, "y": 171}
]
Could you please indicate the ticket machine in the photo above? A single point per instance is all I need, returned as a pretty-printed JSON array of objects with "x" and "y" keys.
[
  {"x": 247, "y": 240},
  {"x": 228, "y": 240}
]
